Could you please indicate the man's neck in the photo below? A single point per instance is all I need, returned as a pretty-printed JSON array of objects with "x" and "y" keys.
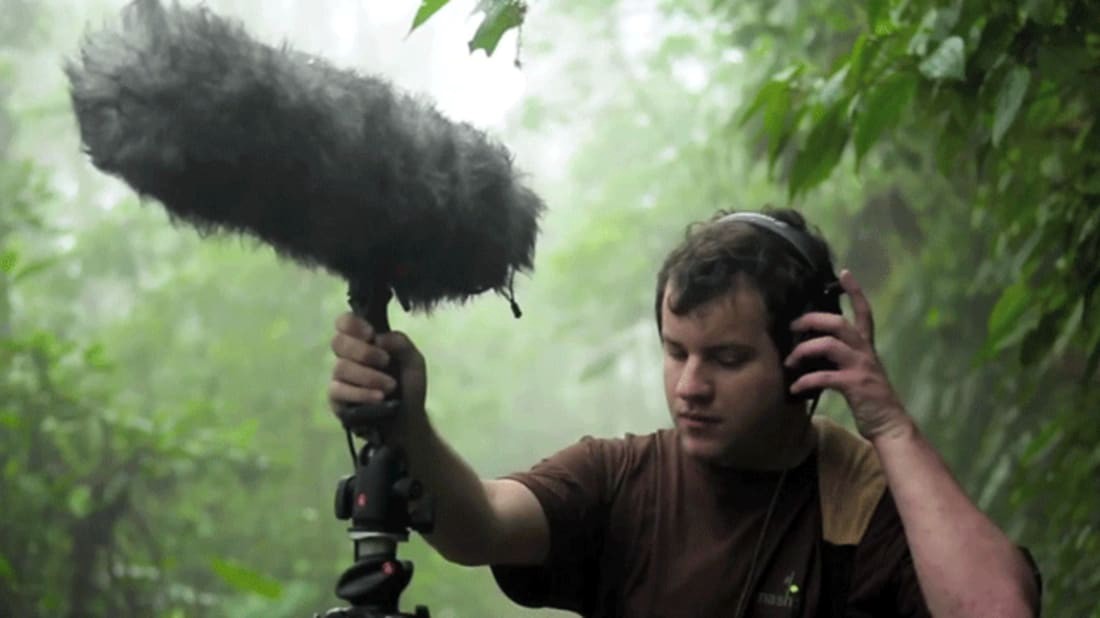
[{"x": 788, "y": 446}]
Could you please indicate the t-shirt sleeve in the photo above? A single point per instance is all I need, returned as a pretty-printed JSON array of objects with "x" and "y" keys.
[{"x": 573, "y": 488}]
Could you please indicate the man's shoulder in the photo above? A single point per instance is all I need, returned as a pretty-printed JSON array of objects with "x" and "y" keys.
[
  {"x": 632, "y": 448},
  {"x": 851, "y": 482}
]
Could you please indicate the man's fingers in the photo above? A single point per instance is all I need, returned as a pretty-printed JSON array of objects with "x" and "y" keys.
[
  {"x": 829, "y": 323},
  {"x": 354, "y": 326},
  {"x": 828, "y": 347},
  {"x": 402, "y": 348},
  {"x": 359, "y": 351},
  {"x": 341, "y": 394},
  {"x": 818, "y": 380},
  {"x": 861, "y": 307},
  {"x": 364, "y": 377}
]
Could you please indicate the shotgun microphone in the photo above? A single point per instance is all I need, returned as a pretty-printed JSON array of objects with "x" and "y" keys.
[{"x": 331, "y": 168}]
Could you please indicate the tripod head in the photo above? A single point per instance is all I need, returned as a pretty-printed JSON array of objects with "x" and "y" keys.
[{"x": 378, "y": 498}]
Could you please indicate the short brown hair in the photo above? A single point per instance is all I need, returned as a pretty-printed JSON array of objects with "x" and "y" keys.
[{"x": 706, "y": 263}]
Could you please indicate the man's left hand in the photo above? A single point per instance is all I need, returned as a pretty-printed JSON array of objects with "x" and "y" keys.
[{"x": 859, "y": 374}]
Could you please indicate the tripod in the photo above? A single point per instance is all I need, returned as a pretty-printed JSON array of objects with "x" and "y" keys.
[{"x": 376, "y": 499}]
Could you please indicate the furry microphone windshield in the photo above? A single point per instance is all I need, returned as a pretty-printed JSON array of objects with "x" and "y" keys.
[{"x": 332, "y": 168}]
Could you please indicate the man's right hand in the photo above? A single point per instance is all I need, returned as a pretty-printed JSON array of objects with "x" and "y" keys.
[
  {"x": 492, "y": 522},
  {"x": 362, "y": 356}
]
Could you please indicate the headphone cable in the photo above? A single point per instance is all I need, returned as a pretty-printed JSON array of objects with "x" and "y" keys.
[{"x": 741, "y": 607}]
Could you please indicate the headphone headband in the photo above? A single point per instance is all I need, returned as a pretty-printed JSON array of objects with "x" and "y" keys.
[{"x": 796, "y": 238}]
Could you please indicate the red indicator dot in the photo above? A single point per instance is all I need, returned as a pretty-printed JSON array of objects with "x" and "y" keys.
[
  {"x": 361, "y": 500},
  {"x": 388, "y": 568}
]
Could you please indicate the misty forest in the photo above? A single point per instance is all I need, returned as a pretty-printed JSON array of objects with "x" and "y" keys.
[{"x": 166, "y": 447}]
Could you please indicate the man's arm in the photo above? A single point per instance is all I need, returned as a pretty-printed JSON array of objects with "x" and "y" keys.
[
  {"x": 478, "y": 522},
  {"x": 965, "y": 565}
]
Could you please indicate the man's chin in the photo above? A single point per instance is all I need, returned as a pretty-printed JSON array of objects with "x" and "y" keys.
[{"x": 704, "y": 448}]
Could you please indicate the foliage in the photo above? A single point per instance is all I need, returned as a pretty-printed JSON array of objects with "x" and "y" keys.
[
  {"x": 1000, "y": 98},
  {"x": 164, "y": 448},
  {"x": 498, "y": 17}
]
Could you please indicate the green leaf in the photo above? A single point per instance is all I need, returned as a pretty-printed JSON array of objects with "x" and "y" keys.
[
  {"x": 856, "y": 60},
  {"x": 80, "y": 500},
  {"x": 10, "y": 420},
  {"x": 426, "y": 10},
  {"x": 8, "y": 259},
  {"x": 1045, "y": 12},
  {"x": 821, "y": 152},
  {"x": 774, "y": 102},
  {"x": 865, "y": 52},
  {"x": 878, "y": 15},
  {"x": 882, "y": 108},
  {"x": 766, "y": 98},
  {"x": 1009, "y": 98},
  {"x": 1047, "y": 436},
  {"x": 247, "y": 580},
  {"x": 1039, "y": 340},
  {"x": 1065, "y": 63},
  {"x": 774, "y": 99},
  {"x": 1090, "y": 185},
  {"x": 832, "y": 90},
  {"x": 947, "y": 62},
  {"x": 1007, "y": 322},
  {"x": 6, "y": 570},
  {"x": 500, "y": 17},
  {"x": 34, "y": 267},
  {"x": 1093, "y": 361},
  {"x": 599, "y": 366},
  {"x": 996, "y": 36},
  {"x": 918, "y": 43},
  {"x": 95, "y": 357}
]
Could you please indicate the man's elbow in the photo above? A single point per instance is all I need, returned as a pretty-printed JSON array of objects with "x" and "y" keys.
[
  {"x": 1016, "y": 599},
  {"x": 1030, "y": 597},
  {"x": 1026, "y": 587},
  {"x": 996, "y": 597}
]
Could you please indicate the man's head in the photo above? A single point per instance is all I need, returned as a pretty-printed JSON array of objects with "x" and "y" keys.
[{"x": 724, "y": 301}]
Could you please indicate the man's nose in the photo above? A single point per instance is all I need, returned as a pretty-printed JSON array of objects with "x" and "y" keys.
[{"x": 694, "y": 382}]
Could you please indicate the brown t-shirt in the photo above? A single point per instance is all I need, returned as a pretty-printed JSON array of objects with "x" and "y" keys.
[{"x": 639, "y": 529}]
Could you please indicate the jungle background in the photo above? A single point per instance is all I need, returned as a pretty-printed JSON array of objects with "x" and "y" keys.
[{"x": 165, "y": 447}]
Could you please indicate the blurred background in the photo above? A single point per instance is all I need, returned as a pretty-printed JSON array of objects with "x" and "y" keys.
[{"x": 165, "y": 446}]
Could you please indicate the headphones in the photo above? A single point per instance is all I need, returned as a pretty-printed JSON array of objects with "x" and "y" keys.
[{"x": 822, "y": 296}]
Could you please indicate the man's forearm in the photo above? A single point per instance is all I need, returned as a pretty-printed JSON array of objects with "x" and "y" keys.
[
  {"x": 965, "y": 564},
  {"x": 464, "y": 524}
]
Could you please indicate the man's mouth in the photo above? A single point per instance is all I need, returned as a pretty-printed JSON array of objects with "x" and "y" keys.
[{"x": 695, "y": 418}]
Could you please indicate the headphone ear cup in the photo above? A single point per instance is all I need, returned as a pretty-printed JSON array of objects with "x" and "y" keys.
[{"x": 826, "y": 302}]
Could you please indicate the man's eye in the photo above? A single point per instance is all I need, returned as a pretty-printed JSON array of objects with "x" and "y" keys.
[
  {"x": 675, "y": 353},
  {"x": 730, "y": 360}
]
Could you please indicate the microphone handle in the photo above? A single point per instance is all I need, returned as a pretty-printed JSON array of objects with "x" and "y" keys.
[{"x": 370, "y": 303}]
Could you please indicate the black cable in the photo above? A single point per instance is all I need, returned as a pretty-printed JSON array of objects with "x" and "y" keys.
[
  {"x": 351, "y": 446},
  {"x": 741, "y": 607}
]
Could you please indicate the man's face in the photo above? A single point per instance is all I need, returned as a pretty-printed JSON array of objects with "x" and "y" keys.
[{"x": 723, "y": 380}]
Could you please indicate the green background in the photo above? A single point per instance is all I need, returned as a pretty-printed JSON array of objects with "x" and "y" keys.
[{"x": 165, "y": 447}]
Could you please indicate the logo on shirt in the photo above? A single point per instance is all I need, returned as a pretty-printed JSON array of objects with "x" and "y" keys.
[{"x": 787, "y": 599}]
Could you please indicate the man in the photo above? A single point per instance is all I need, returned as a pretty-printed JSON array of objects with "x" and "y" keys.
[{"x": 745, "y": 507}]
